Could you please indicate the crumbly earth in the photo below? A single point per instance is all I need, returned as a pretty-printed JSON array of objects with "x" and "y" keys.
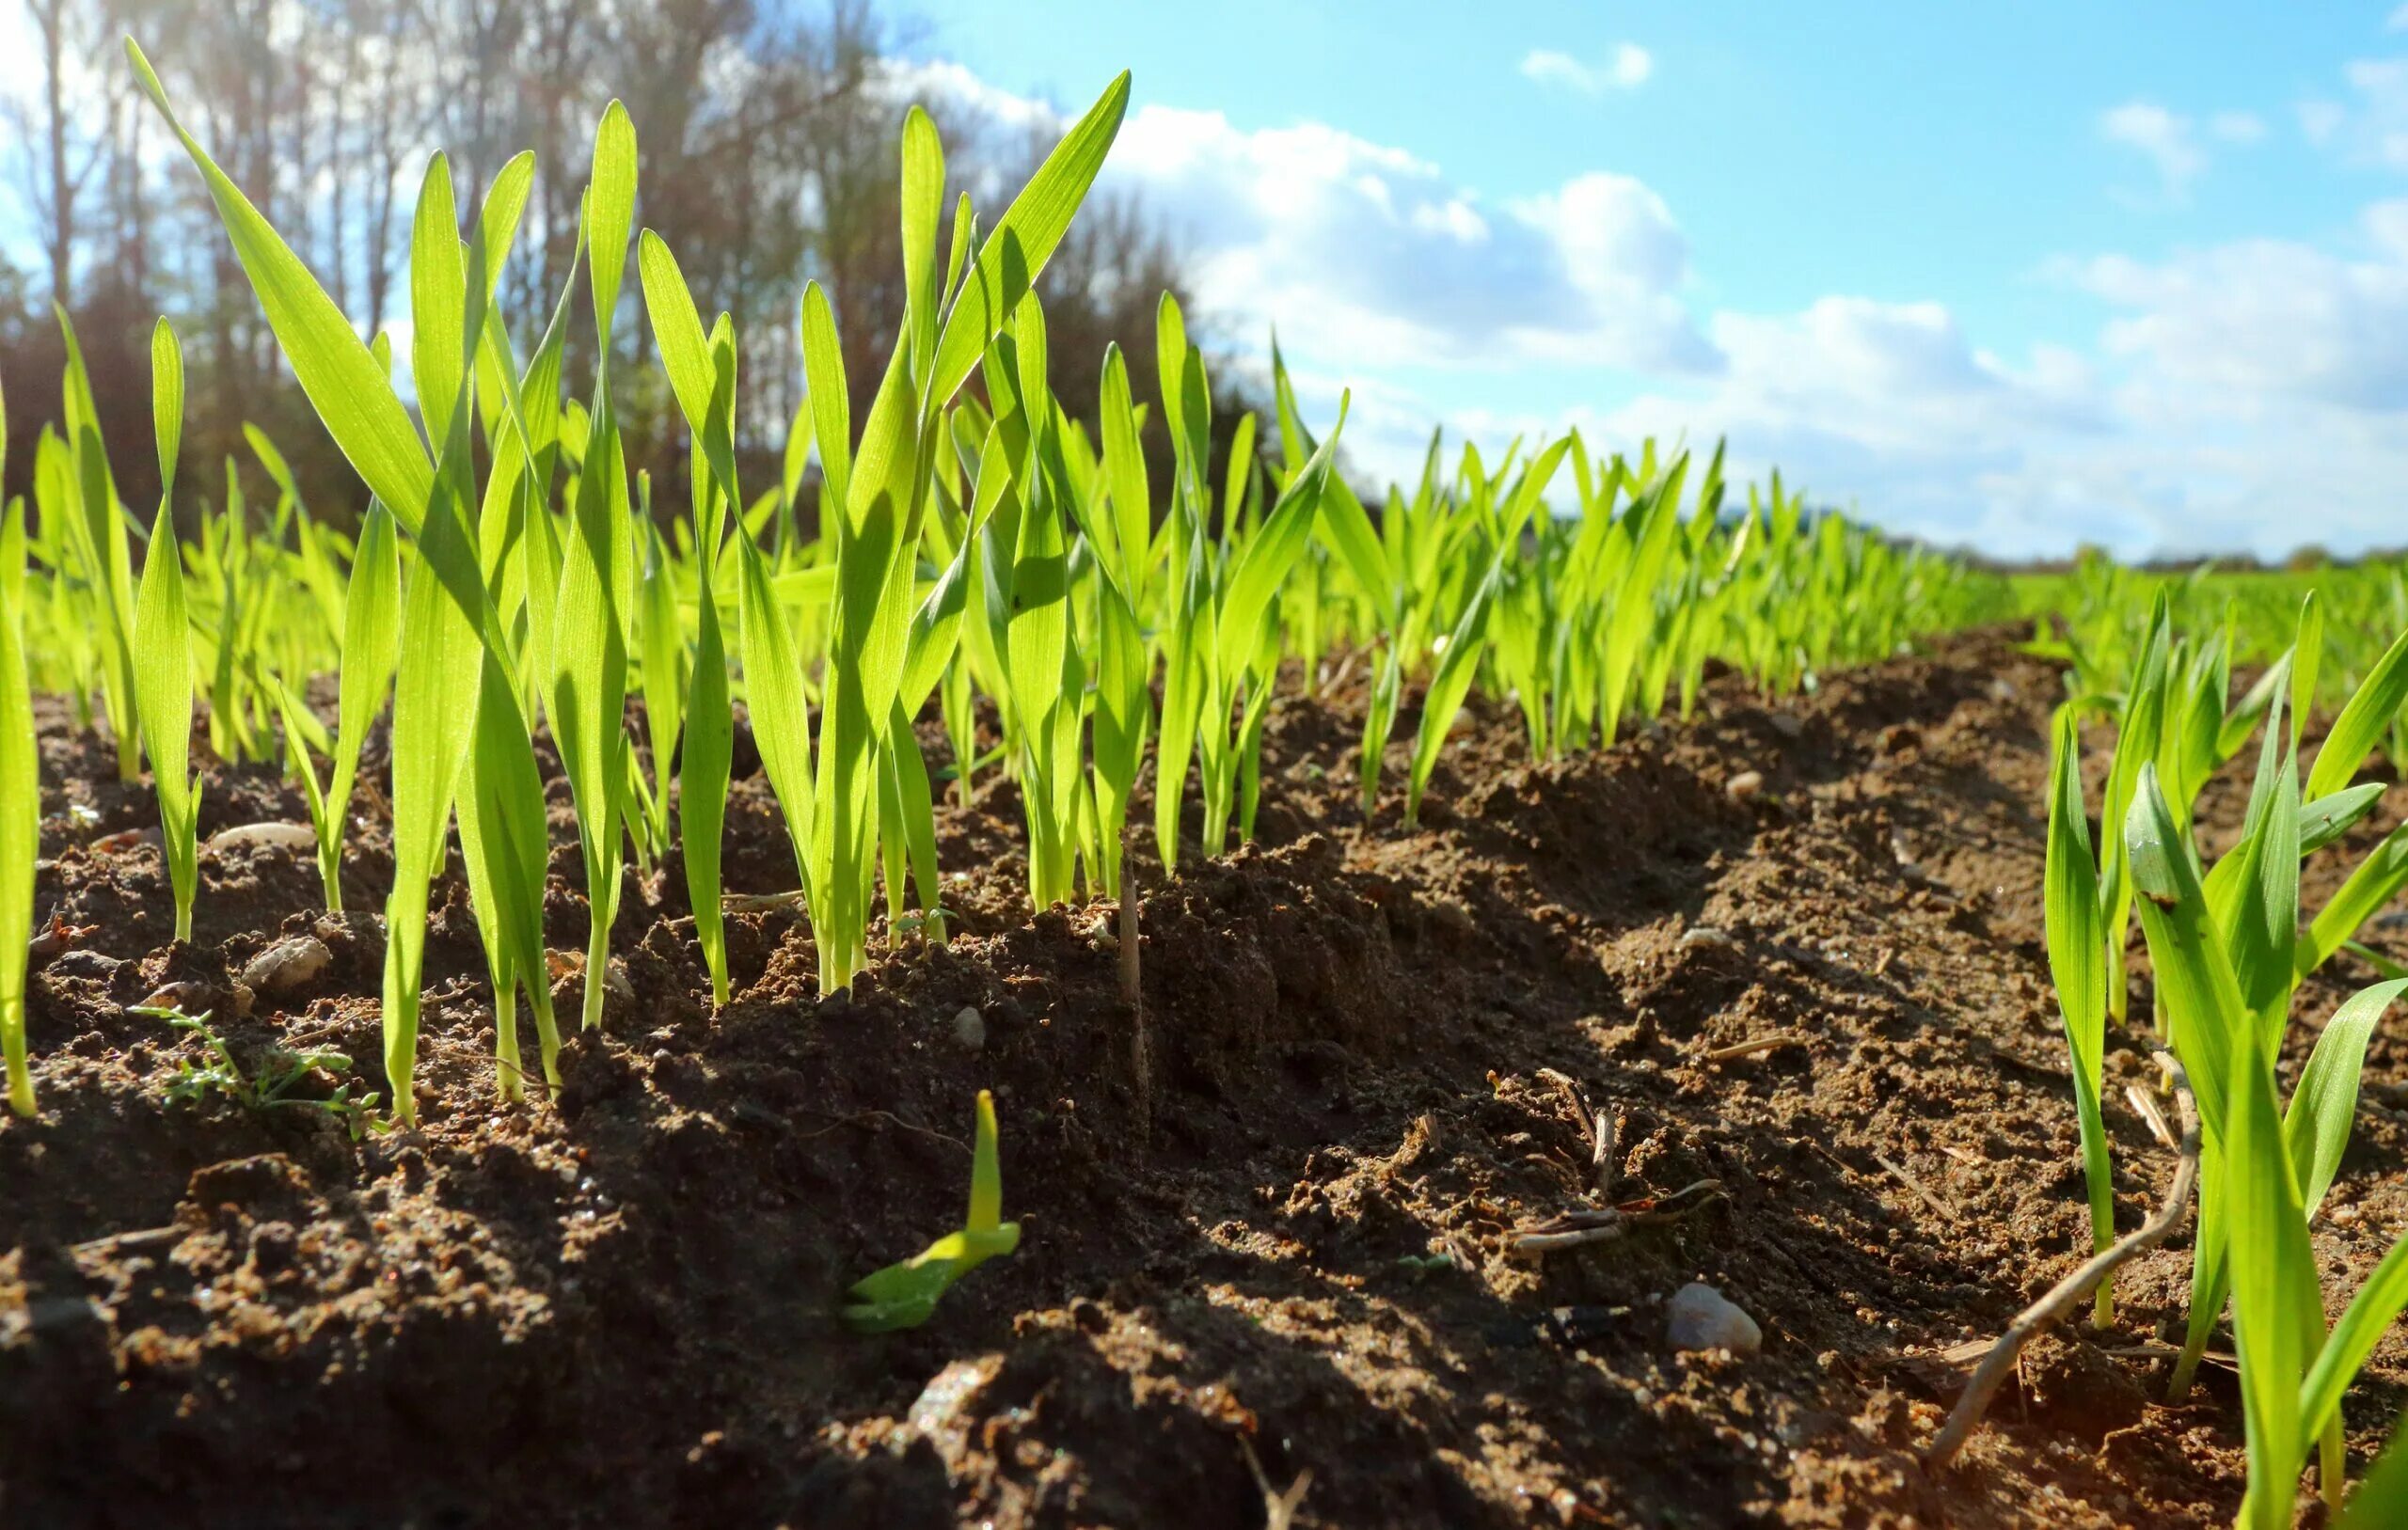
[{"x": 1264, "y": 1256}]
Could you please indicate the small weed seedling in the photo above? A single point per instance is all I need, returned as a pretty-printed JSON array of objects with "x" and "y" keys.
[
  {"x": 280, "y": 1076},
  {"x": 929, "y": 923}
]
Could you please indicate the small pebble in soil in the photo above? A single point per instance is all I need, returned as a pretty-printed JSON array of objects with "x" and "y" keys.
[
  {"x": 1700, "y": 1317},
  {"x": 1744, "y": 786},
  {"x": 1706, "y": 935},
  {"x": 970, "y": 1028},
  {"x": 1787, "y": 724},
  {"x": 289, "y": 966}
]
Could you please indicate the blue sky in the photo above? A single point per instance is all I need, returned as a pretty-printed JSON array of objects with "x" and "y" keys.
[{"x": 2013, "y": 276}]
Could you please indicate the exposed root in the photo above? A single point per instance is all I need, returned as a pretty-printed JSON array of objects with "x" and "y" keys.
[
  {"x": 2070, "y": 1292},
  {"x": 1278, "y": 1505},
  {"x": 1603, "y": 1225}
]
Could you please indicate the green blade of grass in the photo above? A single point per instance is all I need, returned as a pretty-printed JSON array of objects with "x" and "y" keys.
[
  {"x": 773, "y": 695},
  {"x": 2275, "y": 1295},
  {"x": 2315, "y": 1128},
  {"x": 589, "y": 688},
  {"x": 506, "y": 847},
  {"x": 2362, "y": 721},
  {"x": 1022, "y": 241},
  {"x": 2381, "y": 1499},
  {"x": 344, "y": 384},
  {"x": 2077, "y": 968},
  {"x": 163, "y": 695},
  {"x": 2362, "y": 1326},
  {"x": 20, "y": 844},
  {"x": 431, "y": 734}
]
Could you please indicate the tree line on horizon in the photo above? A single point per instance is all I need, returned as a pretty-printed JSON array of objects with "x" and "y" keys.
[{"x": 770, "y": 136}]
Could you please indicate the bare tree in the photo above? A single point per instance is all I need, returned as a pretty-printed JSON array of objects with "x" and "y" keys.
[{"x": 72, "y": 37}]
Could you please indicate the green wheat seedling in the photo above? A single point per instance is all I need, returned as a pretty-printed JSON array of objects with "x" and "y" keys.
[
  {"x": 370, "y": 649},
  {"x": 2176, "y": 727},
  {"x": 1458, "y": 662},
  {"x": 702, "y": 376},
  {"x": 588, "y": 680},
  {"x": 905, "y": 1294},
  {"x": 20, "y": 800},
  {"x": 73, "y": 484},
  {"x": 878, "y": 489},
  {"x": 1040, "y": 640},
  {"x": 2229, "y": 946},
  {"x": 2078, "y": 968},
  {"x": 163, "y": 647},
  {"x": 451, "y": 631},
  {"x": 2221, "y": 945},
  {"x": 1220, "y": 651}
]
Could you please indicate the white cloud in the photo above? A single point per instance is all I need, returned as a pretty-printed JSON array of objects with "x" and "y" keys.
[
  {"x": 1627, "y": 68},
  {"x": 2250, "y": 396},
  {"x": 2260, "y": 322},
  {"x": 1620, "y": 251},
  {"x": 1365, "y": 252},
  {"x": 2166, "y": 138},
  {"x": 2237, "y": 127},
  {"x": 2245, "y": 396},
  {"x": 2370, "y": 125},
  {"x": 940, "y": 79},
  {"x": 1889, "y": 406},
  {"x": 2176, "y": 143}
]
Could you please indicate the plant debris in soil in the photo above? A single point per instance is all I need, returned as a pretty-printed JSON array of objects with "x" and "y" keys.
[{"x": 1272, "y": 1278}]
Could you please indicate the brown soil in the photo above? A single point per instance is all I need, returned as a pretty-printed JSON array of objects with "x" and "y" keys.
[{"x": 1286, "y": 1244}]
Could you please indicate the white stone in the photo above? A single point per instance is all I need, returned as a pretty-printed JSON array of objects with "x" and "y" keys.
[{"x": 1700, "y": 1317}]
